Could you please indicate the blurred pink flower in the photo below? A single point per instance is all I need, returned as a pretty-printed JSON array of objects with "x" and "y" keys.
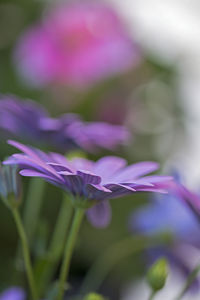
[{"x": 77, "y": 44}]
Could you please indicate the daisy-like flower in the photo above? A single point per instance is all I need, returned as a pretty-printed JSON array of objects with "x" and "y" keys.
[
  {"x": 89, "y": 182},
  {"x": 30, "y": 122}
]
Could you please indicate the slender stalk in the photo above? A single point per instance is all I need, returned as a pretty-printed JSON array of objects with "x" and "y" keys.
[
  {"x": 33, "y": 206},
  {"x": 188, "y": 282},
  {"x": 26, "y": 253},
  {"x": 57, "y": 243},
  {"x": 112, "y": 256},
  {"x": 78, "y": 216},
  {"x": 152, "y": 295}
]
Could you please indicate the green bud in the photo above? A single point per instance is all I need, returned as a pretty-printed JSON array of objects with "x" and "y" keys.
[
  {"x": 157, "y": 274},
  {"x": 94, "y": 296}
]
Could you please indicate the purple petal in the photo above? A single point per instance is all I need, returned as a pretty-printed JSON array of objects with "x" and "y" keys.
[
  {"x": 23, "y": 148},
  {"x": 158, "y": 179},
  {"x": 62, "y": 168},
  {"x": 97, "y": 192},
  {"x": 136, "y": 170},
  {"x": 34, "y": 156},
  {"x": 49, "y": 124},
  {"x": 100, "y": 214},
  {"x": 88, "y": 177},
  {"x": 74, "y": 183},
  {"x": 153, "y": 189},
  {"x": 114, "y": 186},
  {"x": 107, "y": 166},
  {"x": 100, "y": 188},
  {"x": 136, "y": 182},
  {"x": 118, "y": 190},
  {"x": 27, "y": 162},
  {"x": 103, "y": 135},
  {"x": 83, "y": 164},
  {"x": 190, "y": 197},
  {"x": 32, "y": 173},
  {"x": 58, "y": 158}
]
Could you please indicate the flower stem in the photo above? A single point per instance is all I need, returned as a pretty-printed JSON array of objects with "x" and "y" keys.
[
  {"x": 78, "y": 216},
  {"x": 31, "y": 214},
  {"x": 33, "y": 206},
  {"x": 188, "y": 282},
  {"x": 26, "y": 253},
  {"x": 57, "y": 243},
  {"x": 152, "y": 295},
  {"x": 113, "y": 255}
]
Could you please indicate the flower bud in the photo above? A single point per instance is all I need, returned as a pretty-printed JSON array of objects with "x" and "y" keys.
[
  {"x": 157, "y": 274},
  {"x": 10, "y": 185},
  {"x": 94, "y": 296}
]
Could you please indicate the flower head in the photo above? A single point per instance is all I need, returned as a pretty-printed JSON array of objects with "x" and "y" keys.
[
  {"x": 86, "y": 180},
  {"x": 77, "y": 43},
  {"x": 28, "y": 121}
]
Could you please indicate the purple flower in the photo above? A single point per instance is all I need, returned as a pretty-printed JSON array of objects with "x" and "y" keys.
[
  {"x": 13, "y": 293},
  {"x": 21, "y": 119},
  {"x": 172, "y": 212},
  {"x": 30, "y": 122},
  {"x": 177, "y": 213},
  {"x": 77, "y": 43},
  {"x": 89, "y": 182},
  {"x": 70, "y": 131}
]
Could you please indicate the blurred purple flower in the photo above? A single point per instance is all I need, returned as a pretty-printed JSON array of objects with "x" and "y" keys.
[
  {"x": 89, "y": 182},
  {"x": 13, "y": 293},
  {"x": 168, "y": 214},
  {"x": 94, "y": 135},
  {"x": 30, "y": 122},
  {"x": 77, "y": 43},
  {"x": 177, "y": 213},
  {"x": 20, "y": 119}
]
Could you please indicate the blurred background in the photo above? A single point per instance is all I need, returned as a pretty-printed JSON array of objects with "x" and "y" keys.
[{"x": 133, "y": 63}]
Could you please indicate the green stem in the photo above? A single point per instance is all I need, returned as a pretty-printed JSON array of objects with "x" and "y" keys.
[
  {"x": 33, "y": 206},
  {"x": 152, "y": 295},
  {"x": 26, "y": 254},
  {"x": 57, "y": 243},
  {"x": 78, "y": 216},
  {"x": 31, "y": 213},
  {"x": 188, "y": 282},
  {"x": 112, "y": 256}
]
